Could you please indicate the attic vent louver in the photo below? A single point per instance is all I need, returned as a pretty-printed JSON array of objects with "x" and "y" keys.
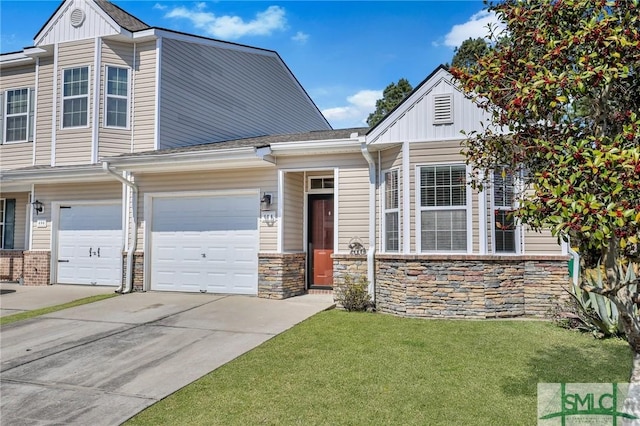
[
  {"x": 77, "y": 17},
  {"x": 443, "y": 109}
]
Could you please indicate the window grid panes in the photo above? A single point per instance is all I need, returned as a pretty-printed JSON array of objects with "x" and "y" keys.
[
  {"x": 443, "y": 204},
  {"x": 2, "y": 210},
  {"x": 504, "y": 229},
  {"x": 117, "y": 97},
  {"x": 75, "y": 94},
  {"x": 17, "y": 110},
  {"x": 391, "y": 211}
]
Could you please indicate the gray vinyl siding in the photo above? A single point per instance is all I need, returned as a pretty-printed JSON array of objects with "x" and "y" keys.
[
  {"x": 73, "y": 146},
  {"x": 210, "y": 93},
  {"x": 44, "y": 111},
  {"x": 265, "y": 180},
  {"x": 14, "y": 155},
  {"x": 114, "y": 141},
  {"x": 293, "y": 214},
  {"x": 94, "y": 191},
  {"x": 144, "y": 97}
]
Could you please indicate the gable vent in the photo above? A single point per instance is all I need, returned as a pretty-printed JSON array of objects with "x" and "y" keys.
[
  {"x": 77, "y": 17},
  {"x": 443, "y": 109}
]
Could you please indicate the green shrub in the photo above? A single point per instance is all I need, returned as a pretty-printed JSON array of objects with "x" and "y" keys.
[{"x": 354, "y": 295}]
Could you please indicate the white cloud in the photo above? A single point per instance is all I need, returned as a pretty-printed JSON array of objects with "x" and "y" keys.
[
  {"x": 355, "y": 113},
  {"x": 300, "y": 37},
  {"x": 159, "y": 6},
  {"x": 476, "y": 26},
  {"x": 232, "y": 27}
]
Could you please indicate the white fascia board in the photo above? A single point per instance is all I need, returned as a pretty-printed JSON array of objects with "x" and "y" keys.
[
  {"x": 54, "y": 175},
  {"x": 160, "y": 32},
  {"x": 316, "y": 147},
  {"x": 17, "y": 58},
  {"x": 189, "y": 160},
  {"x": 144, "y": 35}
]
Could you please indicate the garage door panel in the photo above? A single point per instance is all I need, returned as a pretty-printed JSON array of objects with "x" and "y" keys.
[{"x": 206, "y": 254}]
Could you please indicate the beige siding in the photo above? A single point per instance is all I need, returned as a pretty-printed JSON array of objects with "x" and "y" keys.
[
  {"x": 22, "y": 200},
  {"x": 264, "y": 180},
  {"x": 96, "y": 191},
  {"x": 17, "y": 154},
  {"x": 293, "y": 215},
  {"x": 44, "y": 112},
  {"x": 144, "y": 97},
  {"x": 353, "y": 205},
  {"x": 113, "y": 141},
  {"x": 390, "y": 159},
  {"x": 73, "y": 146},
  {"x": 541, "y": 243}
]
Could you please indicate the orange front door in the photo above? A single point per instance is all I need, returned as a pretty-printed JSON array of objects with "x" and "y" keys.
[{"x": 321, "y": 240}]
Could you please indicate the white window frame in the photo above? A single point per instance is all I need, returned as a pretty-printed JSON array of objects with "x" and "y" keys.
[
  {"x": 3, "y": 206},
  {"x": 5, "y": 108},
  {"x": 322, "y": 190},
  {"x": 468, "y": 208},
  {"x": 386, "y": 210},
  {"x": 64, "y": 98},
  {"x": 107, "y": 96},
  {"x": 517, "y": 227}
]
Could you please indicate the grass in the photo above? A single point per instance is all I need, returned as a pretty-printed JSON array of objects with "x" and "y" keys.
[
  {"x": 42, "y": 311},
  {"x": 350, "y": 368}
]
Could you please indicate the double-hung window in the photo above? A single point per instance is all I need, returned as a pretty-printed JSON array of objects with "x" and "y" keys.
[
  {"x": 504, "y": 225},
  {"x": 391, "y": 211},
  {"x": 17, "y": 115},
  {"x": 2, "y": 214},
  {"x": 116, "y": 97},
  {"x": 443, "y": 208},
  {"x": 75, "y": 97}
]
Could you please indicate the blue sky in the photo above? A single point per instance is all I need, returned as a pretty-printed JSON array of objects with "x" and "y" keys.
[{"x": 343, "y": 53}]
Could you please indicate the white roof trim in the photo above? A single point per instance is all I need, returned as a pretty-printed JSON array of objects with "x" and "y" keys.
[
  {"x": 190, "y": 38},
  {"x": 54, "y": 175},
  {"x": 319, "y": 146}
]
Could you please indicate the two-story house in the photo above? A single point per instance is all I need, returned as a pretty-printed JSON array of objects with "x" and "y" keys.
[{"x": 143, "y": 158}]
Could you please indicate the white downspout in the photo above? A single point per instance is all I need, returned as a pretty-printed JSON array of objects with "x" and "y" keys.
[
  {"x": 371, "y": 252},
  {"x": 128, "y": 284}
]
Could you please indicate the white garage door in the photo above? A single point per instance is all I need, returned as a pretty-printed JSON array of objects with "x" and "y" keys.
[
  {"x": 205, "y": 244},
  {"x": 90, "y": 245}
]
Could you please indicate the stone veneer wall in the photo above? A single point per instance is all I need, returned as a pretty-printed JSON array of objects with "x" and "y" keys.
[
  {"x": 281, "y": 275},
  {"x": 138, "y": 270},
  {"x": 37, "y": 267},
  {"x": 461, "y": 286},
  {"x": 11, "y": 265}
]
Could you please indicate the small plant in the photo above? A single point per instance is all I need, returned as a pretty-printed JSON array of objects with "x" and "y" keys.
[{"x": 354, "y": 295}]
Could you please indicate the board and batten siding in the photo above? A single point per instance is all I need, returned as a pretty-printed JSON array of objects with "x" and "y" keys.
[
  {"x": 44, "y": 111},
  {"x": 213, "y": 93},
  {"x": 94, "y": 191},
  {"x": 20, "y": 224},
  {"x": 73, "y": 146},
  {"x": 264, "y": 180},
  {"x": 14, "y": 155},
  {"x": 114, "y": 141},
  {"x": 293, "y": 215},
  {"x": 144, "y": 97}
]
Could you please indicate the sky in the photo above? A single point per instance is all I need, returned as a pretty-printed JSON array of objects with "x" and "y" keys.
[{"x": 344, "y": 53}]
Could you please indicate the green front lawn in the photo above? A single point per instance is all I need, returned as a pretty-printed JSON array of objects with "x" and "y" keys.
[{"x": 351, "y": 368}]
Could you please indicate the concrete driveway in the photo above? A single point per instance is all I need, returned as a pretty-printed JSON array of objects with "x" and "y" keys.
[{"x": 102, "y": 363}]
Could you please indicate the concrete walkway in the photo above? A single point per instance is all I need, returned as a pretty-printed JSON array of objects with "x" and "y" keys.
[{"x": 102, "y": 363}]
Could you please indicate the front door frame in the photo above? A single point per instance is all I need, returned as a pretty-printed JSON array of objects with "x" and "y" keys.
[{"x": 311, "y": 197}]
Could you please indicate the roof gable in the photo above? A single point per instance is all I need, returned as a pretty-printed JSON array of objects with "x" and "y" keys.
[
  {"x": 83, "y": 19},
  {"x": 417, "y": 116}
]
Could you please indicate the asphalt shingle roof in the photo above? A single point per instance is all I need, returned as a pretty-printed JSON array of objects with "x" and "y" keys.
[{"x": 122, "y": 18}]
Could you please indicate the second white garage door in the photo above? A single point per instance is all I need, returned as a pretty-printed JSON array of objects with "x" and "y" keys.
[{"x": 203, "y": 244}]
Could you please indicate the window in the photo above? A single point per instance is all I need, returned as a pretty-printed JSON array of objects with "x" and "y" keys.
[
  {"x": 320, "y": 184},
  {"x": 391, "y": 211},
  {"x": 504, "y": 227},
  {"x": 443, "y": 208},
  {"x": 16, "y": 115},
  {"x": 2, "y": 214},
  {"x": 75, "y": 97},
  {"x": 117, "y": 97}
]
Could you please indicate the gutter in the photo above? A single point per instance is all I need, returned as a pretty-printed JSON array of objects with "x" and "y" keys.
[
  {"x": 371, "y": 251},
  {"x": 127, "y": 286}
]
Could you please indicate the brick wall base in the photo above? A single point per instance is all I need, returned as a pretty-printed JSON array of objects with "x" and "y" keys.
[
  {"x": 37, "y": 267},
  {"x": 281, "y": 275},
  {"x": 11, "y": 265},
  {"x": 138, "y": 270},
  {"x": 465, "y": 286}
]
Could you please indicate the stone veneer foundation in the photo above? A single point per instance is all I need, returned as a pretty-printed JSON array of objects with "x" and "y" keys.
[
  {"x": 281, "y": 275},
  {"x": 462, "y": 286}
]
